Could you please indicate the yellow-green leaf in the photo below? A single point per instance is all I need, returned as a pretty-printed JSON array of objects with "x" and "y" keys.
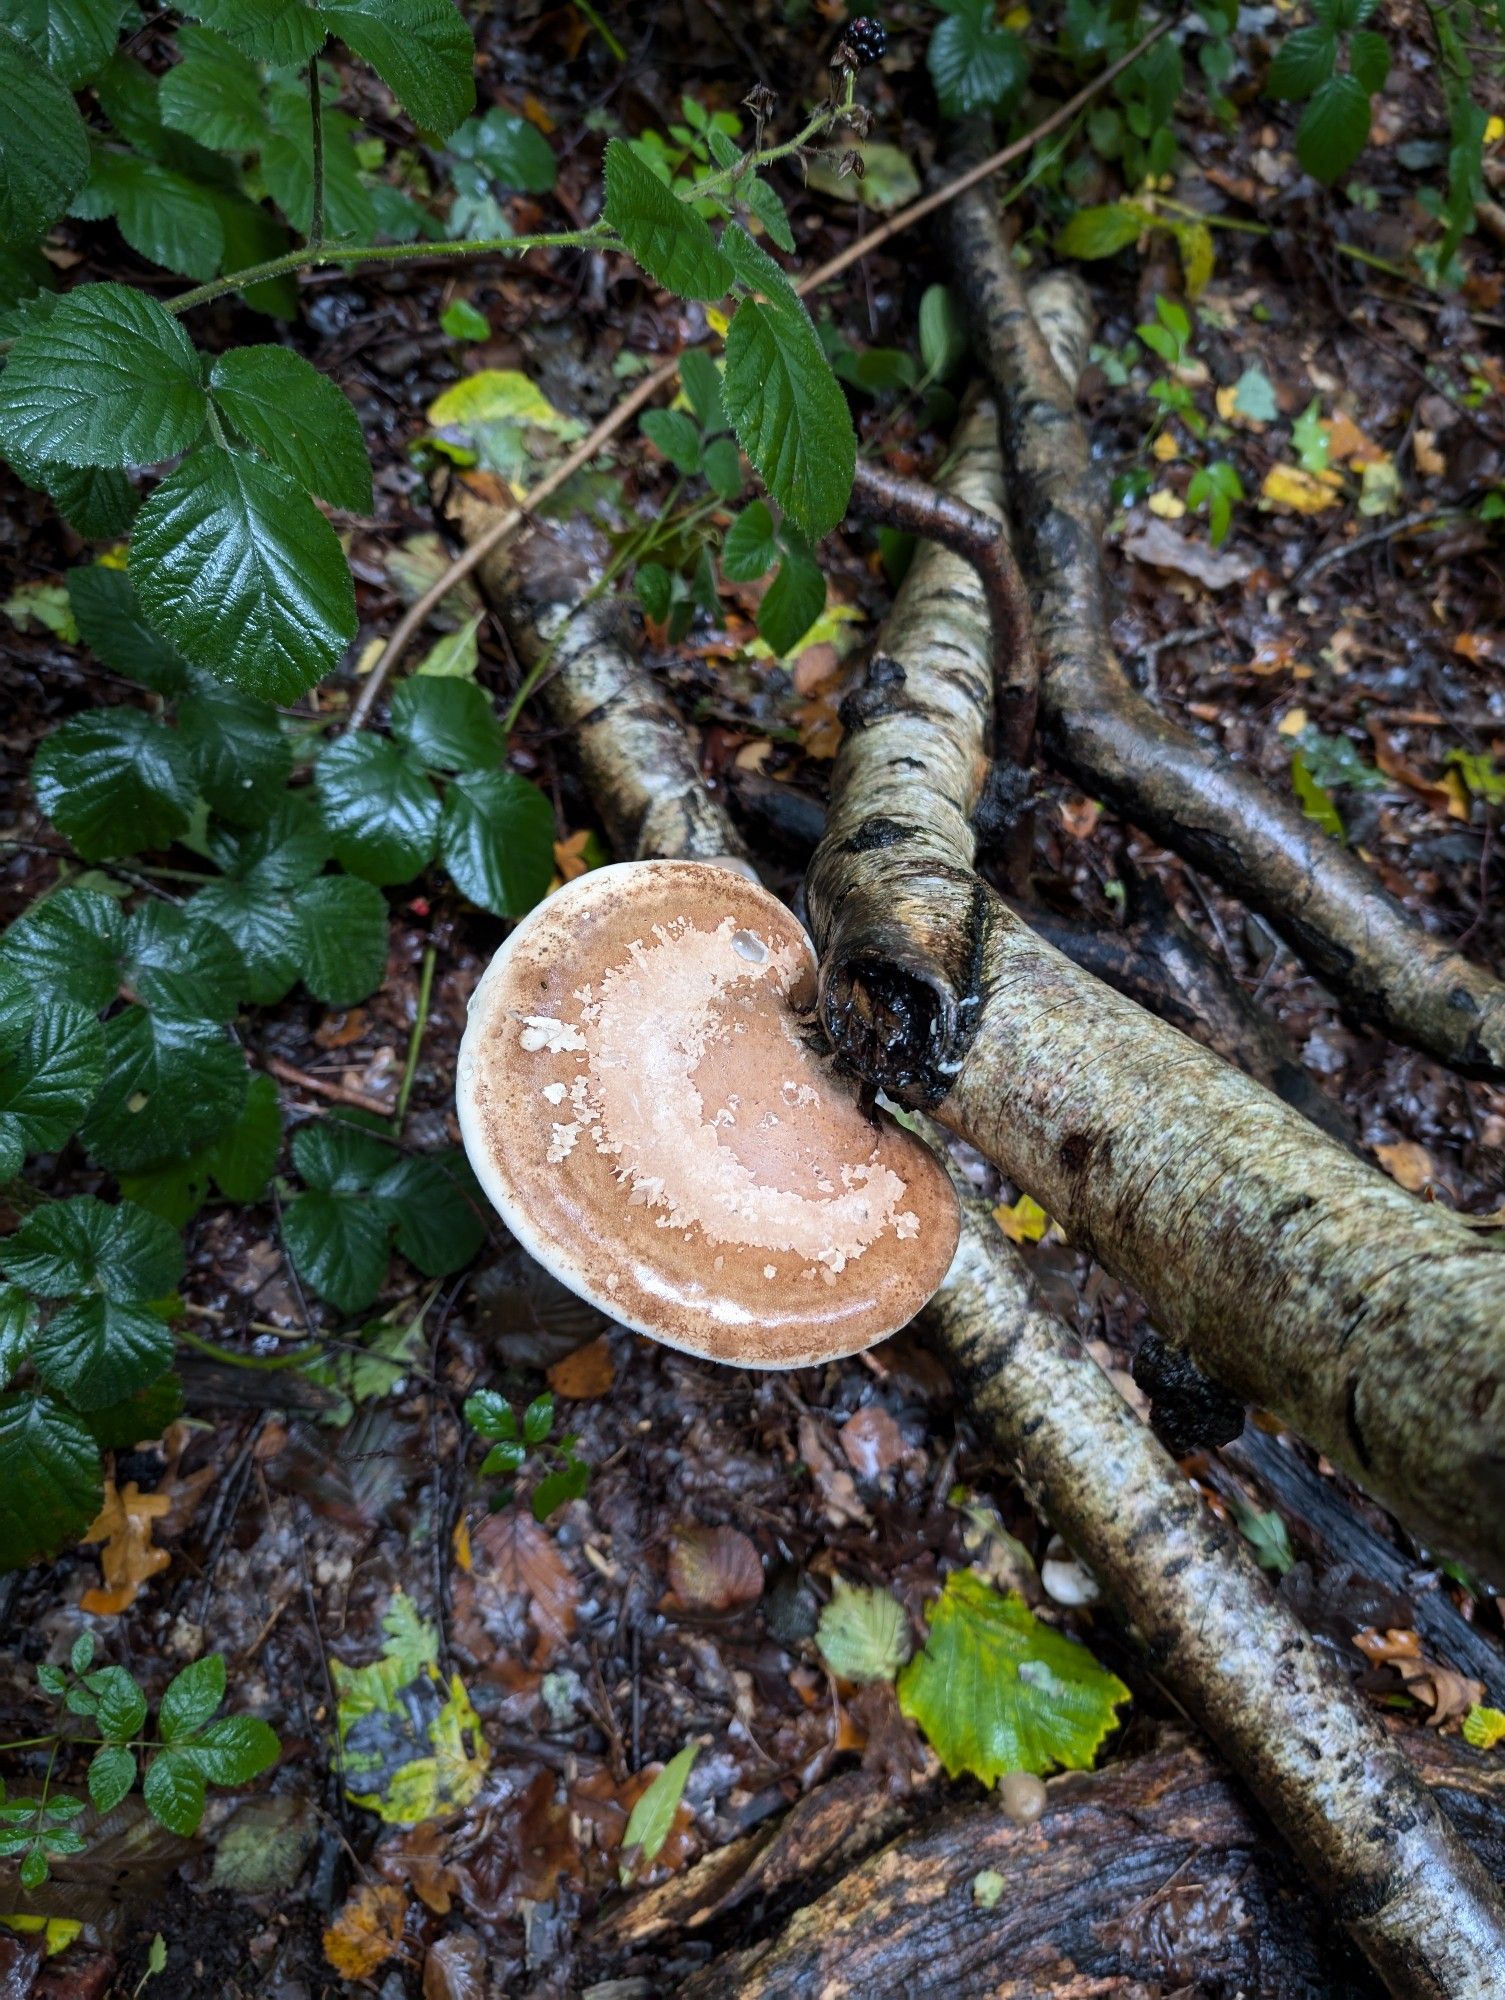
[
  {"x": 996, "y": 1690},
  {"x": 653, "y": 1815},
  {"x": 863, "y": 1634}
]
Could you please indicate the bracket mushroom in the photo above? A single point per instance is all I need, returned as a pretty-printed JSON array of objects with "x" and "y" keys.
[{"x": 645, "y": 1099}]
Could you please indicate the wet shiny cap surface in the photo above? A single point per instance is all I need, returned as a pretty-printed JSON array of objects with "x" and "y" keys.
[{"x": 645, "y": 1098}]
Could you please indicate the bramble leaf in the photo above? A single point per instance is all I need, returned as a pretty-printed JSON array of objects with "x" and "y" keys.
[
  {"x": 1334, "y": 128},
  {"x": 339, "y": 1245},
  {"x": 345, "y": 935},
  {"x": 673, "y": 244},
  {"x": 74, "y": 38},
  {"x": 97, "y": 1352},
  {"x": 86, "y": 1245},
  {"x": 49, "y": 1472},
  {"x": 236, "y": 752},
  {"x": 1303, "y": 62},
  {"x": 975, "y": 64},
  {"x": 381, "y": 811},
  {"x": 281, "y": 404},
  {"x": 441, "y": 1221},
  {"x": 50, "y": 1069},
  {"x": 170, "y": 1086},
  {"x": 114, "y": 781},
  {"x": 792, "y": 603},
  {"x": 496, "y": 838},
  {"x": 448, "y": 725},
  {"x": 109, "y": 378},
  {"x": 44, "y": 148},
  {"x": 239, "y": 569},
  {"x": 420, "y": 48},
  {"x": 110, "y": 623}
]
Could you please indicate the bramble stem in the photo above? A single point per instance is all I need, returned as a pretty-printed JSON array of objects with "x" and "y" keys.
[{"x": 415, "y": 1040}]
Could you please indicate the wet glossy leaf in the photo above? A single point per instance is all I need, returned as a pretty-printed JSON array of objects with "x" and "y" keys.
[
  {"x": 236, "y": 566},
  {"x": 179, "y": 966},
  {"x": 112, "y": 1772},
  {"x": 298, "y": 418},
  {"x": 213, "y": 93},
  {"x": 441, "y": 1218},
  {"x": 381, "y": 811},
  {"x": 421, "y": 48},
  {"x": 236, "y": 752},
  {"x": 50, "y": 1068},
  {"x": 751, "y": 547},
  {"x": 496, "y": 837},
  {"x": 49, "y": 1472},
  {"x": 344, "y": 951},
  {"x": 114, "y": 781},
  {"x": 975, "y": 64},
  {"x": 1334, "y": 128},
  {"x": 111, "y": 624},
  {"x": 168, "y": 218},
  {"x": 174, "y": 1791},
  {"x": 83, "y": 1244},
  {"x": 447, "y": 724},
  {"x": 996, "y": 1690},
  {"x": 339, "y": 1245},
  {"x": 44, "y": 149},
  {"x": 671, "y": 242},
  {"x": 74, "y": 38},
  {"x": 170, "y": 1086},
  {"x": 97, "y": 1352},
  {"x": 651, "y": 1818},
  {"x": 791, "y": 604}
]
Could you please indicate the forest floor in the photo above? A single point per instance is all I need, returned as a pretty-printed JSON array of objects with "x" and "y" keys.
[{"x": 595, "y": 1646}]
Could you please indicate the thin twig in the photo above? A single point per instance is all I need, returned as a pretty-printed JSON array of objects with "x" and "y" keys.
[
  {"x": 615, "y": 420},
  {"x": 337, "y": 1093},
  {"x": 1319, "y": 564}
]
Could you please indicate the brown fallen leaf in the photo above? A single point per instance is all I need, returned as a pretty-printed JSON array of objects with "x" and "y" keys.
[
  {"x": 367, "y": 1931},
  {"x": 588, "y": 1372},
  {"x": 1079, "y": 817},
  {"x": 418, "y": 1859},
  {"x": 1446, "y": 1692},
  {"x": 714, "y": 1569},
  {"x": 339, "y": 1030},
  {"x": 872, "y": 1442},
  {"x": 128, "y": 1558},
  {"x": 455, "y": 1968},
  {"x": 1408, "y": 1163},
  {"x": 512, "y": 1553},
  {"x": 833, "y": 1482},
  {"x": 1164, "y": 547},
  {"x": 1439, "y": 793}
]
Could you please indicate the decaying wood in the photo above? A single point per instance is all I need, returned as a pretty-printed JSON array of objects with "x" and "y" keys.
[
  {"x": 1099, "y": 729},
  {"x": 1149, "y": 1876},
  {"x": 1295, "y": 1274},
  {"x": 1414, "y": 1900}
]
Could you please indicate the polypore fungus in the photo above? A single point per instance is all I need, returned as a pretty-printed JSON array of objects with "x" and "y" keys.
[{"x": 643, "y": 1096}]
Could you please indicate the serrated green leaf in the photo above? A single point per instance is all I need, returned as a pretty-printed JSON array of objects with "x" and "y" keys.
[
  {"x": 232, "y": 1750},
  {"x": 1334, "y": 128},
  {"x": 287, "y": 167},
  {"x": 1303, "y": 62},
  {"x": 339, "y": 1246},
  {"x": 69, "y": 946},
  {"x": 180, "y": 966},
  {"x": 236, "y": 752},
  {"x": 96, "y": 500},
  {"x": 191, "y": 1697},
  {"x": 701, "y": 379},
  {"x": 169, "y": 1087},
  {"x": 345, "y": 938},
  {"x": 722, "y": 465},
  {"x": 288, "y": 848},
  {"x": 74, "y": 38},
  {"x": 340, "y": 1157},
  {"x": 111, "y": 625},
  {"x": 751, "y": 546},
  {"x": 18, "y": 1322},
  {"x": 538, "y": 1419},
  {"x": 791, "y": 604},
  {"x": 111, "y": 1696},
  {"x": 298, "y": 418},
  {"x": 671, "y": 242},
  {"x": 213, "y": 93},
  {"x": 491, "y": 1415},
  {"x": 114, "y": 782},
  {"x": 168, "y": 218},
  {"x": 280, "y": 32},
  {"x": 770, "y": 211},
  {"x": 677, "y": 437},
  {"x": 863, "y": 1634},
  {"x": 97, "y": 1352},
  {"x": 49, "y": 1473},
  {"x": 509, "y": 149},
  {"x": 655, "y": 588},
  {"x": 174, "y": 1792},
  {"x": 81, "y": 1658},
  {"x": 381, "y": 811},
  {"x": 259, "y": 919},
  {"x": 49, "y": 1074},
  {"x": 109, "y": 379},
  {"x": 975, "y": 64},
  {"x": 44, "y": 149},
  {"x": 139, "y": 1419},
  {"x": 239, "y": 569},
  {"x": 1369, "y": 58},
  {"x": 441, "y": 1222},
  {"x": 420, "y": 48},
  {"x": 448, "y": 725},
  {"x": 996, "y": 1690},
  {"x": 112, "y": 1772},
  {"x": 564, "y": 1483},
  {"x": 650, "y": 1820},
  {"x": 789, "y": 413},
  {"x": 496, "y": 838},
  {"x": 83, "y": 1244},
  {"x": 253, "y": 236}
]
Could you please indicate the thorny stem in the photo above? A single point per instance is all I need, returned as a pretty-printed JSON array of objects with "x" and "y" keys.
[
  {"x": 316, "y": 130},
  {"x": 415, "y": 1039}
]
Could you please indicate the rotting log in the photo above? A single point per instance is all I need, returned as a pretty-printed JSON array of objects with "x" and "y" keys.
[
  {"x": 1147, "y": 1876},
  {"x": 1099, "y": 729},
  {"x": 1295, "y": 1274},
  {"x": 1412, "y": 1897}
]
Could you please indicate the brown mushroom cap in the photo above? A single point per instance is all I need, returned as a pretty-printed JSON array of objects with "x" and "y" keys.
[{"x": 642, "y": 1096}]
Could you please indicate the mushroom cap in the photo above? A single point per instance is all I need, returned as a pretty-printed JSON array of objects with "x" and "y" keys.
[{"x": 644, "y": 1097}]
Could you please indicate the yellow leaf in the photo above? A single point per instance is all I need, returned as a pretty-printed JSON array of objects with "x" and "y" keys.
[
  {"x": 1379, "y": 490},
  {"x": 1017, "y": 19},
  {"x": 114, "y": 558},
  {"x": 58, "y": 1932},
  {"x": 1484, "y": 1727},
  {"x": 1167, "y": 505},
  {"x": 367, "y": 1931},
  {"x": 463, "y": 1558},
  {"x": 717, "y": 320},
  {"x": 1226, "y": 400},
  {"x": 127, "y": 1558},
  {"x": 1292, "y": 722},
  {"x": 1198, "y": 256},
  {"x": 500, "y": 396},
  {"x": 1494, "y": 131},
  {"x": 1025, "y": 1222},
  {"x": 1297, "y": 492},
  {"x": 1165, "y": 446}
]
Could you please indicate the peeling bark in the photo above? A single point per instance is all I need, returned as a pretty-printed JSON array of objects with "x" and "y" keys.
[
  {"x": 1097, "y": 727},
  {"x": 1296, "y": 1275}
]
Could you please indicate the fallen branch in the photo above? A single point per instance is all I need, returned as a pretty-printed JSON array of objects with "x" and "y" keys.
[
  {"x": 1417, "y": 1903},
  {"x": 1099, "y": 729},
  {"x": 1299, "y": 1277}
]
